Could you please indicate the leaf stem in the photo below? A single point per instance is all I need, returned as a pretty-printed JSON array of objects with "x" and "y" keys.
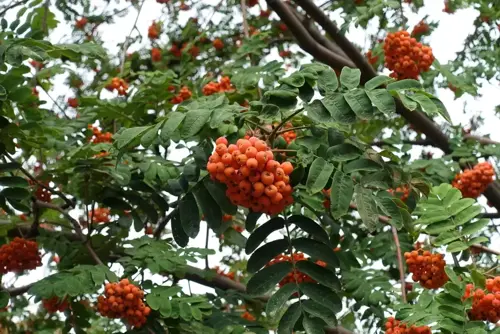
[{"x": 400, "y": 263}]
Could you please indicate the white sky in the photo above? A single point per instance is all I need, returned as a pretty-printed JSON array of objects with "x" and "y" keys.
[{"x": 445, "y": 42}]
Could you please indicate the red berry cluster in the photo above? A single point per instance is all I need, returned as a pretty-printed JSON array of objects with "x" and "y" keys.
[
  {"x": 72, "y": 102},
  {"x": 54, "y": 304},
  {"x": 223, "y": 85},
  {"x": 153, "y": 31},
  {"x": 100, "y": 137},
  {"x": 289, "y": 136},
  {"x": 393, "y": 326},
  {"x": 326, "y": 200},
  {"x": 248, "y": 316},
  {"x": 285, "y": 53},
  {"x": 177, "y": 52},
  {"x": 101, "y": 215},
  {"x": 36, "y": 64},
  {"x": 265, "y": 13},
  {"x": 402, "y": 192},
  {"x": 427, "y": 268},
  {"x": 485, "y": 303},
  {"x": 119, "y": 84},
  {"x": 218, "y": 44},
  {"x": 18, "y": 255},
  {"x": 163, "y": 1},
  {"x": 124, "y": 300},
  {"x": 473, "y": 182},
  {"x": 420, "y": 29},
  {"x": 81, "y": 23},
  {"x": 405, "y": 56},
  {"x": 254, "y": 179},
  {"x": 184, "y": 94},
  {"x": 155, "y": 54},
  {"x": 251, "y": 3},
  {"x": 35, "y": 92},
  {"x": 371, "y": 58},
  {"x": 295, "y": 275},
  {"x": 43, "y": 194}
]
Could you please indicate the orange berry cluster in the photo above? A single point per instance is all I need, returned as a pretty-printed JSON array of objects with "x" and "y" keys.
[
  {"x": 223, "y": 85},
  {"x": 231, "y": 275},
  {"x": 54, "y": 304},
  {"x": 473, "y": 182},
  {"x": 405, "y": 56},
  {"x": 176, "y": 52},
  {"x": 295, "y": 275},
  {"x": 98, "y": 136},
  {"x": 393, "y": 326},
  {"x": 289, "y": 136},
  {"x": 18, "y": 255},
  {"x": 485, "y": 303},
  {"x": 420, "y": 29},
  {"x": 248, "y": 316},
  {"x": 155, "y": 54},
  {"x": 81, "y": 23},
  {"x": 73, "y": 102},
  {"x": 371, "y": 58},
  {"x": 119, "y": 84},
  {"x": 123, "y": 300},
  {"x": 427, "y": 268},
  {"x": 254, "y": 179},
  {"x": 402, "y": 192},
  {"x": 326, "y": 201},
  {"x": 218, "y": 44},
  {"x": 153, "y": 31},
  {"x": 101, "y": 215},
  {"x": 184, "y": 94}
]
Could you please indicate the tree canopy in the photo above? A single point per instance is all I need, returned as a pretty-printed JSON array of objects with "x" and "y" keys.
[{"x": 340, "y": 193}]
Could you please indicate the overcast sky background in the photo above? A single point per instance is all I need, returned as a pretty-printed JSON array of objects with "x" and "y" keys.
[{"x": 445, "y": 42}]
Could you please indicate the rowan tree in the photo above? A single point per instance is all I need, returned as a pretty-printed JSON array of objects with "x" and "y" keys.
[{"x": 330, "y": 174}]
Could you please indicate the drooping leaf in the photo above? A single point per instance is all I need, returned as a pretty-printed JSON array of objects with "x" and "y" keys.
[
  {"x": 262, "y": 232},
  {"x": 313, "y": 326},
  {"x": 278, "y": 300},
  {"x": 316, "y": 250},
  {"x": 319, "y": 173},
  {"x": 13, "y": 181},
  {"x": 367, "y": 207},
  {"x": 195, "y": 120},
  {"x": 377, "y": 82},
  {"x": 382, "y": 100},
  {"x": 180, "y": 237},
  {"x": 350, "y": 77},
  {"x": 318, "y": 112},
  {"x": 251, "y": 220},
  {"x": 327, "y": 81},
  {"x": 266, "y": 253},
  {"x": 266, "y": 279},
  {"x": 340, "y": 194},
  {"x": 319, "y": 274},
  {"x": 189, "y": 215},
  {"x": 322, "y": 295},
  {"x": 359, "y": 103},
  {"x": 361, "y": 164},
  {"x": 343, "y": 152},
  {"x": 218, "y": 192},
  {"x": 405, "y": 84},
  {"x": 338, "y": 107},
  {"x": 310, "y": 226},
  {"x": 289, "y": 318},
  {"x": 209, "y": 207}
]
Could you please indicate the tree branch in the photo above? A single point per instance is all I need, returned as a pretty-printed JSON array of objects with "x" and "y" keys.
[
  {"x": 400, "y": 263},
  {"x": 76, "y": 227},
  {"x": 422, "y": 142},
  {"x": 303, "y": 37}
]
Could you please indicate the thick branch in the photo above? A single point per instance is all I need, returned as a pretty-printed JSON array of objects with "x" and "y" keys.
[{"x": 304, "y": 39}]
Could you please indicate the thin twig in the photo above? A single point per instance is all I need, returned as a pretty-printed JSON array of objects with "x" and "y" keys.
[
  {"x": 126, "y": 43},
  {"x": 246, "y": 31},
  {"x": 283, "y": 122},
  {"x": 45, "y": 16},
  {"x": 293, "y": 129},
  {"x": 421, "y": 142},
  {"x": 11, "y": 6},
  {"x": 162, "y": 223},
  {"x": 206, "y": 247},
  {"x": 400, "y": 263},
  {"x": 76, "y": 227},
  {"x": 69, "y": 202},
  {"x": 257, "y": 125}
]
